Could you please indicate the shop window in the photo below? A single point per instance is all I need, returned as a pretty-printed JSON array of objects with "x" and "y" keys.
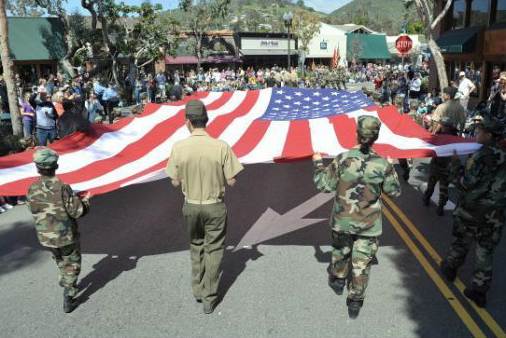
[
  {"x": 45, "y": 70},
  {"x": 28, "y": 73},
  {"x": 500, "y": 14},
  {"x": 479, "y": 13},
  {"x": 459, "y": 14}
]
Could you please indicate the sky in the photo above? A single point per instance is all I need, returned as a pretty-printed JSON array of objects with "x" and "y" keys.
[{"x": 325, "y": 6}]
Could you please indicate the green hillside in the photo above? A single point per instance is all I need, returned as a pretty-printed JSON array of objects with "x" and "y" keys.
[
  {"x": 264, "y": 15},
  {"x": 380, "y": 15}
]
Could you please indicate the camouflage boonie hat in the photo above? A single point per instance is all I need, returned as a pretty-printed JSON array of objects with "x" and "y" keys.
[
  {"x": 368, "y": 126},
  {"x": 195, "y": 109},
  {"x": 45, "y": 158},
  {"x": 492, "y": 126}
]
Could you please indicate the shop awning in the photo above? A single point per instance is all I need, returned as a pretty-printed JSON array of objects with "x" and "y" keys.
[
  {"x": 367, "y": 46},
  {"x": 192, "y": 60},
  {"x": 459, "y": 41},
  {"x": 36, "y": 38}
]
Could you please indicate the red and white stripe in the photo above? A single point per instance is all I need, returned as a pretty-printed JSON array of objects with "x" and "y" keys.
[{"x": 136, "y": 150}]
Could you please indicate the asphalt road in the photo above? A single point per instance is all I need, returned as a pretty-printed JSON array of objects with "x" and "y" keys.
[{"x": 136, "y": 269}]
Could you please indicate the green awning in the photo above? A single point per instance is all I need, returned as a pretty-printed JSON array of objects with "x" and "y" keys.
[
  {"x": 36, "y": 38},
  {"x": 459, "y": 41},
  {"x": 367, "y": 46}
]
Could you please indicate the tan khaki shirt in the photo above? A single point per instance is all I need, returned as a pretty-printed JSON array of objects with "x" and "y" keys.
[
  {"x": 452, "y": 109},
  {"x": 202, "y": 164}
]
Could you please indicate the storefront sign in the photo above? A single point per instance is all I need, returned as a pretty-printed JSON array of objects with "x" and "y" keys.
[{"x": 266, "y": 44}]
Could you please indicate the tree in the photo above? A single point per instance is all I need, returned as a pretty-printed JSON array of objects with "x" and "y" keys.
[
  {"x": 8, "y": 67},
  {"x": 305, "y": 25},
  {"x": 200, "y": 17},
  {"x": 253, "y": 20},
  {"x": 426, "y": 13},
  {"x": 54, "y": 8},
  {"x": 139, "y": 33},
  {"x": 415, "y": 27}
]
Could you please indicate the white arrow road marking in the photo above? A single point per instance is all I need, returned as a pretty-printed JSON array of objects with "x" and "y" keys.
[{"x": 271, "y": 224}]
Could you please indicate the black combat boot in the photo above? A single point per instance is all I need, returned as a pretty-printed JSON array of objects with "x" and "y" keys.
[
  {"x": 479, "y": 298},
  {"x": 354, "y": 307},
  {"x": 448, "y": 272},
  {"x": 209, "y": 308},
  {"x": 426, "y": 200},
  {"x": 68, "y": 302},
  {"x": 337, "y": 284},
  {"x": 405, "y": 174},
  {"x": 440, "y": 211}
]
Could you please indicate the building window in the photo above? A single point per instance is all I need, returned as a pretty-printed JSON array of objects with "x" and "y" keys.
[
  {"x": 459, "y": 14},
  {"x": 479, "y": 13},
  {"x": 500, "y": 13}
]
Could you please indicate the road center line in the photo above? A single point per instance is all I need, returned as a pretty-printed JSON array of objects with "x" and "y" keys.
[
  {"x": 483, "y": 313},
  {"x": 441, "y": 285}
]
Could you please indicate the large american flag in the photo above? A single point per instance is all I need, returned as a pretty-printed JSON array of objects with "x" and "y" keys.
[{"x": 275, "y": 124}]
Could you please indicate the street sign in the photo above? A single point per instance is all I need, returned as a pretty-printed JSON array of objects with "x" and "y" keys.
[{"x": 403, "y": 44}]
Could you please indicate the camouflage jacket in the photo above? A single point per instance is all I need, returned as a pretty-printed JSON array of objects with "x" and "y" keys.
[
  {"x": 358, "y": 180},
  {"x": 55, "y": 208},
  {"x": 481, "y": 184}
]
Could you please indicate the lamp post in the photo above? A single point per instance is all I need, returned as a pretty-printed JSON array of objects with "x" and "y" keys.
[{"x": 287, "y": 18}]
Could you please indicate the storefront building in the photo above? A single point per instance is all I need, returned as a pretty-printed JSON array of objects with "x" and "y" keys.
[
  {"x": 219, "y": 50},
  {"x": 367, "y": 47},
  {"x": 322, "y": 46},
  {"x": 267, "y": 49},
  {"x": 473, "y": 39},
  {"x": 36, "y": 46}
]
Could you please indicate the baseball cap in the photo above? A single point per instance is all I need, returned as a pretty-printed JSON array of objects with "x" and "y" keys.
[{"x": 195, "y": 109}]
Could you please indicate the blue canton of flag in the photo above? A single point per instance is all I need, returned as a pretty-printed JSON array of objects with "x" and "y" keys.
[{"x": 302, "y": 104}]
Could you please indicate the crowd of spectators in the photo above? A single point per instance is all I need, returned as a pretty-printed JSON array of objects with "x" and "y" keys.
[{"x": 55, "y": 107}]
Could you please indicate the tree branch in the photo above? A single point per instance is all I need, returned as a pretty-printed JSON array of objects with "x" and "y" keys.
[
  {"x": 441, "y": 15},
  {"x": 89, "y": 6},
  {"x": 146, "y": 63}
]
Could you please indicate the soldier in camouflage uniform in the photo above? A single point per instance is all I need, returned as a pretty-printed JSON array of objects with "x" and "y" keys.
[
  {"x": 341, "y": 78},
  {"x": 479, "y": 216},
  {"x": 439, "y": 169},
  {"x": 358, "y": 177},
  {"x": 55, "y": 208}
]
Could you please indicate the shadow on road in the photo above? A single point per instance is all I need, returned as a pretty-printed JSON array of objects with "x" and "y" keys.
[
  {"x": 145, "y": 220},
  {"x": 106, "y": 270},
  {"x": 19, "y": 247}
]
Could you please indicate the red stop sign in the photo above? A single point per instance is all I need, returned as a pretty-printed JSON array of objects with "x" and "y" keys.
[{"x": 403, "y": 44}]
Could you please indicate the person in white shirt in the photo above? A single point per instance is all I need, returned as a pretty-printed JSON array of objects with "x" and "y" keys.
[
  {"x": 466, "y": 87},
  {"x": 415, "y": 85}
]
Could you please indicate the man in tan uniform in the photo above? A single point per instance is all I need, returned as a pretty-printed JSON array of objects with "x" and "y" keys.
[
  {"x": 202, "y": 165},
  {"x": 452, "y": 109}
]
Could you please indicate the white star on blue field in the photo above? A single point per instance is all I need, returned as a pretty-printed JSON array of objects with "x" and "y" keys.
[{"x": 303, "y": 104}]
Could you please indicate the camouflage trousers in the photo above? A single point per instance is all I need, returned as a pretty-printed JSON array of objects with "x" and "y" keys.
[
  {"x": 68, "y": 260},
  {"x": 486, "y": 235},
  {"x": 438, "y": 172},
  {"x": 360, "y": 250}
]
